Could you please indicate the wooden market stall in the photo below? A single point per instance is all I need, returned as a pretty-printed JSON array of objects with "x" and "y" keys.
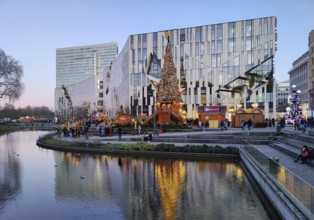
[
  {"x": 212, "y": 115},
  {"x": 255, "y": 114}
]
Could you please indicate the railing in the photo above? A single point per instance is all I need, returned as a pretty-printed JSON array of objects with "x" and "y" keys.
[{"x": 297, "y": 190}]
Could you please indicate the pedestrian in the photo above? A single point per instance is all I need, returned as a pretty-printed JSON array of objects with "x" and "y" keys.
[
  {"x": 304, "y": 154},
  {"x": 222, "y": 125},
  {"x": 249, "y": 124},
  {"x": 243, "y": 124},
  {"x": 139, "y": 129},
  {"x": 282, "y": 123},
  {"x": 296, "y": 125},
  {"x": 99, "y": 128},
  {"x": 273, "y": 121},
  {"x": 120, "y": 132}
]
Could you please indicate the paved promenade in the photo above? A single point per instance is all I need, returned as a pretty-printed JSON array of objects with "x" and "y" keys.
[{"x": 304, "y": 171}]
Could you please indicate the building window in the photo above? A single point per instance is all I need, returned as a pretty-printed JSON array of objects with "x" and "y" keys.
[
  {"x": 248, "y": 43},
  {"x": 133, "y": 55},
  {"x": 182, "y": 35},
  {"x": 136, "y": 79},
  {"x": 144, "y": 53},
  {"x": 186, "y": 62},
  {"x": 265, "y": 26},
  {"x": 213, "y": 47},
  {"x": 202, "y": 48},
  {"x": 219, "y": 46},
  {"x": 231, "y": 30},
  {"x": 139, "y": 41},
  {"x": 219, "y": 32},
  {"x": 213, "y": 32},
  {"x": 198, "y": 34},
  {"x": 132, "y": 42},
  {"x": 139, "y": 55},
  {"x": 249, "y": 28},
  {"x": 155, "y": 39},
  {"x": 144, "y": 40},
  {"x": 197, "y": 49},
  {"x": 181, "y": 50},
  {"x": 214, "y": 61},
  {"x": 231, "y": 45},
  {"x": 208, "y": 48},
  {"x": 250, "y": 57}
]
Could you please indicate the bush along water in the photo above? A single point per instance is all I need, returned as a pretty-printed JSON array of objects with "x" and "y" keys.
[{"x": 138, "y": 146}]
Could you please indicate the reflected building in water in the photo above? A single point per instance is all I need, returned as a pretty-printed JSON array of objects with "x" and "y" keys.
[{"x": 158, "y": 188}]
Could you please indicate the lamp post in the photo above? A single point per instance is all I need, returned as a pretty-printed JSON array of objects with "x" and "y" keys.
[
  {"x": 154, "y": 113},
  {"x": 169, "y": 113}
]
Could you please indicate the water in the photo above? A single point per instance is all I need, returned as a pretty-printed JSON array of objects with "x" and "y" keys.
[{"x": 36, "y": 183}]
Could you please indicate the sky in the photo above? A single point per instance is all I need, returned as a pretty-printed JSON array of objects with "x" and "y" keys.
[{"x": 32, "y": 30}]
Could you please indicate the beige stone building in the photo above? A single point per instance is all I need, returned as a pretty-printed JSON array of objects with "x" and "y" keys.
[{"x": 311, "y": 70}]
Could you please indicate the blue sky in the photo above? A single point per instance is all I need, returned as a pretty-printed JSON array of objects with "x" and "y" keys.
[{"x": 30, "y": 31}]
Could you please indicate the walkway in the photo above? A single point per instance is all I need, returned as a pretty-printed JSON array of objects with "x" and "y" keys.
[{"x": 304, "y": 171}]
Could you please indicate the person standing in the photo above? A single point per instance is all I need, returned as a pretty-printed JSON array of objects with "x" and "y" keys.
[
  {"x": 222, "y": 125},
  {"x": 120, "y": 132},
  {"x": 249, "y": 124},
  {"x": 139, "y": 129}
]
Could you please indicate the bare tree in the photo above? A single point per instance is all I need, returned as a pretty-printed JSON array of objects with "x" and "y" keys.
[{"x": 11, "y": 73}]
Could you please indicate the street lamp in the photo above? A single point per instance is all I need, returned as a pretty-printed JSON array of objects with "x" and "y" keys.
[
  {"x": 154, "y": 114},
  {"x": 169, "y": 113}
]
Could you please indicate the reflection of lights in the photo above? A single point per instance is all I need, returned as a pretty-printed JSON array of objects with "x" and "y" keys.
[
  {"x": 281, "y": 175},
  {"x": 299, "y": 91},
  {"x": 170, "y": 179}
]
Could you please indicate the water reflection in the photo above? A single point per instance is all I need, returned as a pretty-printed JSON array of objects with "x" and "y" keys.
[
  {"x": 10, "y": 172},
  {"x": 41, "y": 184},
  {"x": 159, "y": 188}
]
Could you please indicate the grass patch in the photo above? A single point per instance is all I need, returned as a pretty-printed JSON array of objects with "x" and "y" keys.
[{"x": 4, "y": 128}]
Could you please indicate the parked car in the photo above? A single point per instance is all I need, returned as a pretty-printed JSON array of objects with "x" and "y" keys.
[{"x": 290, "y": 122}]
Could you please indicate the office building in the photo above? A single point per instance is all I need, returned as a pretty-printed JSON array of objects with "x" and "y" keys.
[
  {"x": 311, "y": 71},
  {"x": 298, "y": 76},
  {"x": 74, "y": 65},
  {"x": 283, "y": 92},
  {"x": 211, "y": 60}
]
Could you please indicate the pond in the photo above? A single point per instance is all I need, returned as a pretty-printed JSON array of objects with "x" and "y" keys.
[{"x": 37, "y": 183}]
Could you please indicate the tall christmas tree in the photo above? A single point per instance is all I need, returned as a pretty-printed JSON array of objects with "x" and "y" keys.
[
  {"x": 295, "y": 110},
  {"x": 168, "y": 88}
]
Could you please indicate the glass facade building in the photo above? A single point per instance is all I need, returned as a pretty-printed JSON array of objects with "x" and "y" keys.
[
  {"x": 210, "y": 57},
  {"x": 74, "y": 65}
]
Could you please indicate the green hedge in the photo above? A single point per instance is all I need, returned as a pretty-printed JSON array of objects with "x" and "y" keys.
[{"x": 141, "y": 146}]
